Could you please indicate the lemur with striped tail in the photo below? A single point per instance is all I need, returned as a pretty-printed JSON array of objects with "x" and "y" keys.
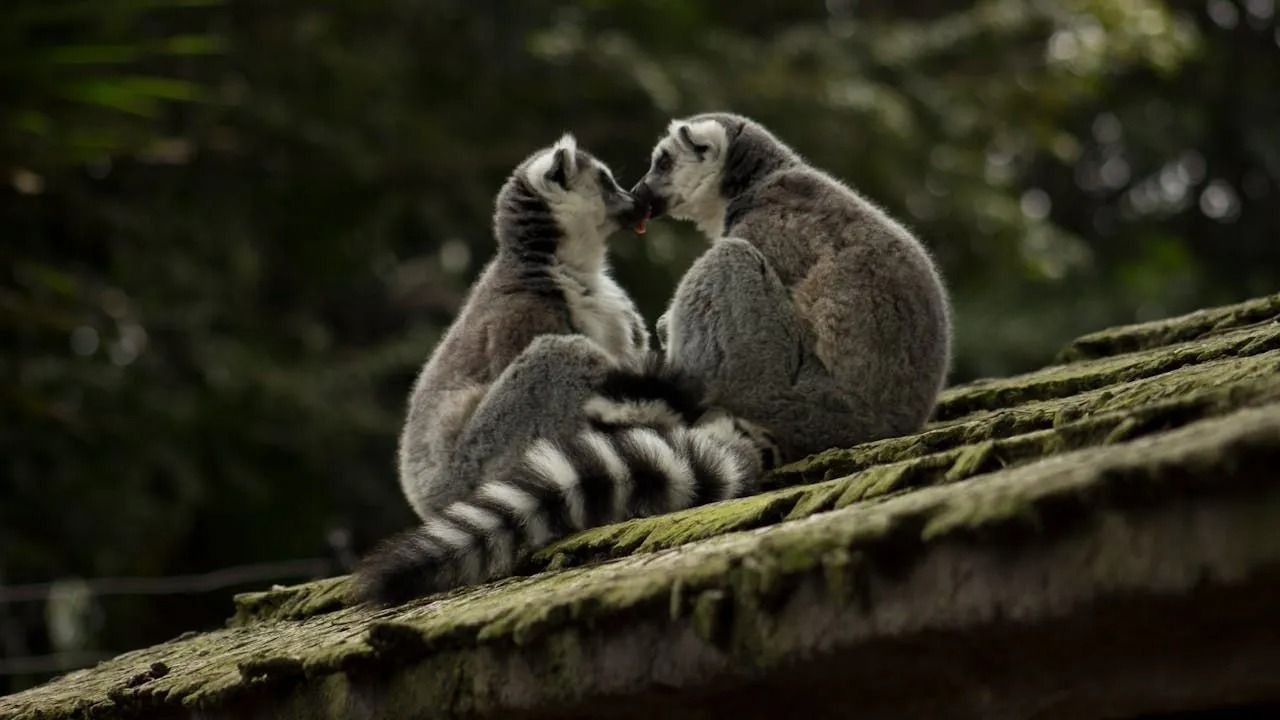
[{"x": 541, "y": 412}]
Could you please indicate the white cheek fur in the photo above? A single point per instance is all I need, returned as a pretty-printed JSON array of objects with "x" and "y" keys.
[
  {"x": 581, "y": 215},
  {"x": 695, "y": 184},
  {"x": 578, "y": 214}
]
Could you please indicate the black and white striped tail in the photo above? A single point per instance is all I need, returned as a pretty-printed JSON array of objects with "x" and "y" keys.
[{"x": 635, "y": 460}]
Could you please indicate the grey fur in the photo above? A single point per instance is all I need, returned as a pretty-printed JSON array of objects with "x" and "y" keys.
[
  {"x": 542, "y": 391},
  {"x": 814, "y": 314},
  {"x": 600, "y": 474},
  {"x": 488, "y": 388}
]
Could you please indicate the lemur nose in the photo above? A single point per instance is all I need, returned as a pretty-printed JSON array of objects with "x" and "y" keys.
[
  {"x": 641, "y": 192},
  {"x": 653, "y": 203},
  {"x": 641, "y": 196}
]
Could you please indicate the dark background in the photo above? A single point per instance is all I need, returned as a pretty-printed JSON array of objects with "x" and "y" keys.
[{"x": 231, "y": 231}]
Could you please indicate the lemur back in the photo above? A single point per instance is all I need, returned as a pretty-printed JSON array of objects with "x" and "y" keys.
[
  {"x": 540, "y": 412},
  {"x": 814, "y": 314},
  {"x": 540, "y": 282}
]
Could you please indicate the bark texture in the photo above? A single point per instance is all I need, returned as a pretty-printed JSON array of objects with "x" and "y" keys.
[{"x": 1095, "y": 539}]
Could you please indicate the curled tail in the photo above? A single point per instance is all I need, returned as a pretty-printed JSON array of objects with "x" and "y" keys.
[{"x": 638, "y": 457}]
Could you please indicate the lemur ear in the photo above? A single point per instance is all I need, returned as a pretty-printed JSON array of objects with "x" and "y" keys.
[
  {"x": 558, "y": 173},
  {"x": 563, "y": 162},
  {"x": 686, "y": 138}
]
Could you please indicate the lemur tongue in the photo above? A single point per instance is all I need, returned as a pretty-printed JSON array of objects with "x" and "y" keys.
[{"x": 639, "y": 228}]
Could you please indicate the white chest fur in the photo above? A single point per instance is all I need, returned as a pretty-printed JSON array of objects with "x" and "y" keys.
[{"x": 600, "y": 310}]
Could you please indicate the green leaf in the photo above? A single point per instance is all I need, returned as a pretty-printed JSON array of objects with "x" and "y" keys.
[
  {"x": 136, "y": 95},
  {"x": 52, "y": 12},
  {"x": 89, "y": 55},
  {"x": 191, "y": 45}
]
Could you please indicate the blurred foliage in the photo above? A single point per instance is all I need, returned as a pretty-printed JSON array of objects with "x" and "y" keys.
[
  {"x": 74, "y": 80},
  {"x": 233, "y": 230}
]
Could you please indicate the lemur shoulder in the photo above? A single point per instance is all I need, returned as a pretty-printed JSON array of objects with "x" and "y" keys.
[{"x": 814, "y": 313}]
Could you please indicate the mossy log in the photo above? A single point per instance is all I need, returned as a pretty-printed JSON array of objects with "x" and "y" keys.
[{"x": 1094, "y": 539}]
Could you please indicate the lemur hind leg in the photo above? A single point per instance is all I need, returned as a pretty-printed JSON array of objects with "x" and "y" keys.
[
  {"x": 540, "y": 394},
  {"x": 733, "y": 325}
]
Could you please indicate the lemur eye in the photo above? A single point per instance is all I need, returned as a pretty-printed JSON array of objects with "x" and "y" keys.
[{"x": 664, "y": 162}]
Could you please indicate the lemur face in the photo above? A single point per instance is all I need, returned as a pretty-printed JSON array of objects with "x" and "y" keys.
[
  {"x": 684, "y": 177},
  {"x": 581, "y": 192}
]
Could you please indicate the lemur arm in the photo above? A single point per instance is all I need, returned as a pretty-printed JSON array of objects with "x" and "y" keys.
[{"x": 523, "y": 322}]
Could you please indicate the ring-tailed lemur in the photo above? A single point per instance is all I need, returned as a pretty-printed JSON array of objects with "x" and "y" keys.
[
  {"x": 539, "y": 413},
  {"x": 814, "y": 314}
]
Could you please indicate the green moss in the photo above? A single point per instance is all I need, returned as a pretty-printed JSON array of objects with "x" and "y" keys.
[
  {"x": 866, "y": 508},
  {"x": 447, "y": 651},
  {"x": 649, "y": 534},
  {"x": 713, "y": 618},
  {"x": 1133, "y": 338},
  {"x": 290, "y": 603},
  {"x": 1187, "y": 382},
  {"x": 816, "y": 499},
  {"x": 1066, "y": 380},
  {"x": 947, "y": 453},
  {"x": 323, "y": 698},
  {"x": 1128, "y": 421},
  {"x": 881, "y": 479},
  {"x": 972, "y": 460}
]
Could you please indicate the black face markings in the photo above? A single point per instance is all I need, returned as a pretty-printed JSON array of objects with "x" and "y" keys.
[
  {"x": 664, "y": 163},
  {"x": 686, "y": 137}
]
